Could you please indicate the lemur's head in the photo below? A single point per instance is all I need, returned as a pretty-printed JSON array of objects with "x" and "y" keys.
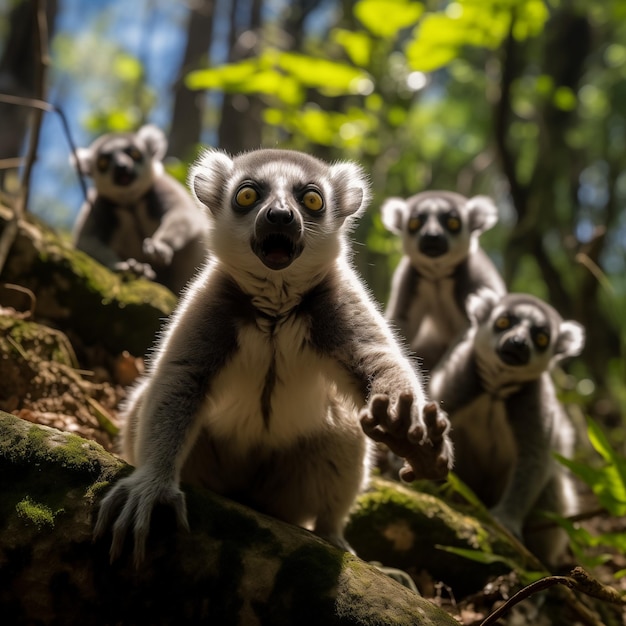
[
  {"x": 438, "y": 228},
  {"x": 521, "y": 334},
  {"x": 278, "y": 210},
  {"x": 123, "y": 165}
]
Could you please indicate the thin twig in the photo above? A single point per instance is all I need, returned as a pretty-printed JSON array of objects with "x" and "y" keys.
[
  {"x": 51, "y": 108},
  {"x": 578, "y": 580}
]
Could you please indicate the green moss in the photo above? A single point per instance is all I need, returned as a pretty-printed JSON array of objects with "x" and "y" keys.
[
  {"x": 32, "y": 341},
  {"x": 43, "y": 450},
  {"x": 36, "y": 513}
]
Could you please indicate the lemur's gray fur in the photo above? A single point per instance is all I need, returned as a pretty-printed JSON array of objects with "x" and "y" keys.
[
  {"x": 506, "y": 420},
  {"x": 137, "y": 217},
  {"x": 442, "y": 265},
  {"x": 276, "y": 361}
]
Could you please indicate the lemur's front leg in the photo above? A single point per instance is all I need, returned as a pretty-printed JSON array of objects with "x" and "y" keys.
[{"x": 421, "y": 440}]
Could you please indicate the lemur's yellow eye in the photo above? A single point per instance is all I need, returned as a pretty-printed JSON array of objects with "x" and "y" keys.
[
  {"x": 134, "y": 154},
  {"x": 313, "y": 201},
  {"x": 103, "y": 162},
  {"x": 542, "y": 340},
  {"x": 246, "y": 196},
  {"x": 503, "y": 322},
  {"x": 453, "y": 223},
  {"x": 415, "y": 223}
]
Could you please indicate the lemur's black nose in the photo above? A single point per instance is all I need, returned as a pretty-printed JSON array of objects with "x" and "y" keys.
[
  {"x": 433, "y": 244},
  {"x": 515, "y": 350},
  {"x": 279, "y": 216}
]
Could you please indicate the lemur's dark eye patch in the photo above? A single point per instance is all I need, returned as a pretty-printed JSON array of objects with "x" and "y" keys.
[
  {"x": 541, "y": 338},
  {"x": 415, "y": 223},
  {"x": 453, "y": 223},
  {"x": 103, "y": 162},
  {"x": 135, "y": 154},
  {"x": 503, "y": 322}
]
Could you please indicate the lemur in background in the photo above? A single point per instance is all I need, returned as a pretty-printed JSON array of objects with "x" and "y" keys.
[
  {"x": 276, "y": 364},
  {"x": 443, "y": 264},
  {"x": 137, "y": 217},
  {"x": 496, "y": 386}
]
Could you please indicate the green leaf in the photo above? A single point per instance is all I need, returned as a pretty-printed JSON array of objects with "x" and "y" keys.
[
  {"x": 384, "y": 18},
  {"x": 607, "y": 482},
  {"x": 329, "y": 77},
  {"x": 358, "y": 46},
  {"x": 461, "y": 488},
  {"x": 530, "y": 19},
  {"x": 224, "y": 77},
  {"x": 564, "y": 98},
  {"x": 488, "y": 558},
  {"x": 600, "y": 443},
  {"x": 258, "y": 75},
  {"x": 127, "y": 68}
]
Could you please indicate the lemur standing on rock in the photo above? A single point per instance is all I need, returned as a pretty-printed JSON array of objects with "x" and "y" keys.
[
  {"x": 506, "y": 419},
  {"x": 137, "y": 217},
  {"x": 276, "y": 364},
  {"x": 442, "y": 265}
]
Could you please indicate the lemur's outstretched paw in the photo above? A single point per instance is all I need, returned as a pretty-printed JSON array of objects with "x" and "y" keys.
[
  {"x": 420, "y": 438},
  {"x": 132, "y": 266},
  {"x": 159, "y": 252}
]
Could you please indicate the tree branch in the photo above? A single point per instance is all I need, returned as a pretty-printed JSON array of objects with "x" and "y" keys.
[{"x": 578, "y": 580}]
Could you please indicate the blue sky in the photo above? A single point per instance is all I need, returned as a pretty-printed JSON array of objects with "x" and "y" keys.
[
  {"x": 55, "y": 191},
  {"x": 153, "y": 31}
]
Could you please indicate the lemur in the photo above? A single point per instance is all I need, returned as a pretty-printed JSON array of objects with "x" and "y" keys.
[
  {"x": 442, "y": 265},
  {"x": 137, "y": 217},
  {"x": 496, "y": 386},
  {"x": 276, "y": 363}
]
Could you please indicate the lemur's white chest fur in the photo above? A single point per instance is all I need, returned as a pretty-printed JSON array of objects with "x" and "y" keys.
[
  {"x": 434, "y": 300},
  {"x": 134, "y": 225},
  {"x": 483, "y": 427},
  {"x": 269, "y": 392}
]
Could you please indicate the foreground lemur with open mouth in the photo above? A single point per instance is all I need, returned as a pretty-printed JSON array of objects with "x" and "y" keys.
[{"x": 276, "y": 363}]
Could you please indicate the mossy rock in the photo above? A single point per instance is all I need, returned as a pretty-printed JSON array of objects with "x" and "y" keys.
[
  {"x": 410, "y": 530},
  {"x": 77, "y": 293},
  {"x": 235, "y": 566}
]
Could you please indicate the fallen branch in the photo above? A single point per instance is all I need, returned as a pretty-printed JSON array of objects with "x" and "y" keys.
[{"x": 578, "y": 580}]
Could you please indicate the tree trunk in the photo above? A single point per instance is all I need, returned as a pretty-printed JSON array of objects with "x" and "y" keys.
[
  {"x": 187, "y": 116},
  {"x": 18, "y": 74},
  {"x": 241, "y": 125}
]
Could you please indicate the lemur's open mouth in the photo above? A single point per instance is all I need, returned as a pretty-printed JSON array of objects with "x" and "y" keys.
[
  {"x": 514, "y": 354},
  {"x": 277, "y": 250},
  {"x": 433, "y": 246},
  {"x": 123, "y": 177}
]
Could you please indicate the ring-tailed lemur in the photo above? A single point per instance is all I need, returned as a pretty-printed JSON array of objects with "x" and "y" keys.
[
  {"x": 442, "y": 265},
  {"x": 137, "y": 217},
  {"x": 506, "y": 419},
  {"x": 275, "y": 362}
]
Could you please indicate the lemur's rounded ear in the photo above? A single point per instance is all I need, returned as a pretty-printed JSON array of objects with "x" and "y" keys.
[
  {"x": 571, "y": 340},
  {"x": 82, "y": 160},
  {"x": 392, "y": 211},
  {"x": 208, "y": 177},
  {"x": 351, "y": 188},
  {"x": 482, "y": 213},
  {"x": 480, "y": 304},
  {"x": 155, "y": 140}
]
